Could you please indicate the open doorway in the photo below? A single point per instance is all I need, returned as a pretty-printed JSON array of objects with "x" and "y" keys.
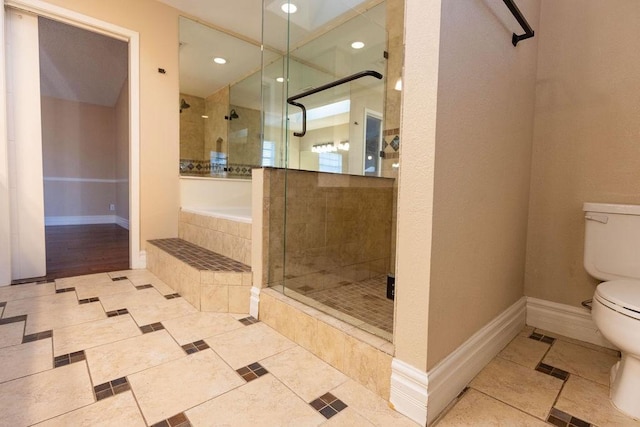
[{"x": 85, "y": 149}]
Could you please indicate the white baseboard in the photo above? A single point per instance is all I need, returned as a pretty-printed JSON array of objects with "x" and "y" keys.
[
  {"x": 567, "y": 320},
  {"x": 254, "y": 303},
  {"x": 409, "y": 391},
  {"x": 122, "y": 222},
  {"x": 141, "y": 261},
  {"x": 80, "y": 220},
  {"x": 449, "y": 377}
]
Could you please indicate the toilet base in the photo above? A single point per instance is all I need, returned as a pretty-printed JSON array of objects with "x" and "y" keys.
[{"x": 625, "y": 394}]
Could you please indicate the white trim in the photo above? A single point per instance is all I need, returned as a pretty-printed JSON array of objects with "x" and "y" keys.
[
  {"x": 122, "y": 222},
  {"x": 567, "y": 320},
  {"x": 68, "y": 179},
  {"x": 80, "y": 220},
  {"x": 409, "y": 391},
  {"x": 254, "y": 302},
  {"x": 71, "y": 17},
  {"x": 449, "y": 377},
  {"x": 142, "y": 256}
]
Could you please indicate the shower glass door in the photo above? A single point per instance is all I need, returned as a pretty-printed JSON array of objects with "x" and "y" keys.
[{"x": 335, "y": 253}]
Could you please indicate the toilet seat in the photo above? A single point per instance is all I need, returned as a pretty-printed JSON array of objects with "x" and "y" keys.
[{"x": 621, "y": 295}]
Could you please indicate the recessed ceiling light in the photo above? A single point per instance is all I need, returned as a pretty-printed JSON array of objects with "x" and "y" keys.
[
  {"x": 219, "y": 60},
  {"x": 289, "y": 8},
  {"x": 279, "y": 79},
  {"x": 205, "y": 117},
  {"x": 357, "y": 45}
]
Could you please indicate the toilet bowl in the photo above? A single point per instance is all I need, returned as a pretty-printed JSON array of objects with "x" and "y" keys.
[
  {"x": 612, "y": 245},
  {"x": 616, "y": 313}
]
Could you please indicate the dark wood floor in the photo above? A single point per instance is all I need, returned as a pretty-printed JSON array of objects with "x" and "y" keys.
[{"x": 74, "y": 250}]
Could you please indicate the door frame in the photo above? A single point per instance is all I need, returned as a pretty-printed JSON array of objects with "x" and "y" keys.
[{"x": 42, "y": 8}]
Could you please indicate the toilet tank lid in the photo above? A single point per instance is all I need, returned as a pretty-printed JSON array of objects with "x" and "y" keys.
[
  {"x": 623, "y": 292},
  {"x": 611, "y": 208}
]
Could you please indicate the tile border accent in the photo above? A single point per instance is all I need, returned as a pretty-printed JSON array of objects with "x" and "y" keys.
[
  {"x": 553, "y": 371},
  {"x": 172, "y": 296},
  {"x": 567, "y": 320},
  {"x": 111, "y": 388},
  {"x": 151, "y": 327},
  {"x": 249, "y": 320},
  {"x": 37, "y": 336},
  {"x": 118, "y": 312},
  {"x": 141, "y": 287},
  {"x": 117, "y": 279},
  {"x": 61, "y": 291},
  {"x": 88, "y": 300},
  {"x": 178, "y": 420},
  {"x": 66, "y": 359},
  {"x": 562, "y": 419},
  {"x": 449, "y": 377},
  {"x": 194, "y": 347},
  {"x": 328, "y": 405},
  {"x": 14, "y": 319},
  {"x": 542, "y": 338},
  {"x": 252, "y": 371}
]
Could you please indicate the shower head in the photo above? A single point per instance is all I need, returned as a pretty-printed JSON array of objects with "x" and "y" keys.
[
  {"x": 183, "y": 105},
  {"x": 232, "y": 115}
]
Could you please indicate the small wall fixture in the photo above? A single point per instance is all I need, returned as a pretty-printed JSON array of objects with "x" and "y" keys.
[
  {"x": 232, "y": 115},
  {"x": 183, "y": 105}
]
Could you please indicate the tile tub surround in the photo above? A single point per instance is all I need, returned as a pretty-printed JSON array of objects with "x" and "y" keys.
[
  {"x": 226, "y": 237},
  {"x": 207, "y": 280}
]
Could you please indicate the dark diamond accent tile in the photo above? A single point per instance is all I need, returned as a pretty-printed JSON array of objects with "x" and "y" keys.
[
  {"x": 556, "y": 422},
  {"x": 328, "y": 405},
  {"x": 3, "y": 303},
  {"x": 141, "y": 287},
  {"x": 117, "y": 279},
  {"x": 179, "y": 420},
  {"x": 548, "y": 340},
  {"x": 554, "y": 372},
  {"x": 113, "y": 387},
  {"x": 172, "y": 296},
  {"x": 248, "y": 320},
  {"x": 14, "y": 319},
  {"x": 65, "y": 359},
  {"x": 190, "y": 348},
  {"x": 163, "y": 423},
  {"x": 543, "y": 338},
  {"x": 61, "y": 291},
  {"x": 88, "y": 300},
  {"x": 151, "y": 328},
  {"x": 201, "y": 345},
  {"x": 119, "y": 312},
  {"x": 562, "y": 419},
  {"x": 252, "y": 371},
  {"x": 37, "y": 336}
]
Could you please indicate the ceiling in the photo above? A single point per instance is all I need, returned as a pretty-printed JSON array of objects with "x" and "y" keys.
[{"x": 70, "y": 68}]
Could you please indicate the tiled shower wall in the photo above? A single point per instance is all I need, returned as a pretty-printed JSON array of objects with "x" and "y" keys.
[{"x": 338, "y": 227}]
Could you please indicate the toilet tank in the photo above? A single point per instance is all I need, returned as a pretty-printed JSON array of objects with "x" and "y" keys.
[{"x": 612, "y": 241}]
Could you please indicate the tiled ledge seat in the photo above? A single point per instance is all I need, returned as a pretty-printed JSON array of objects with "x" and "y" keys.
[{"x": 208, "y": 280}]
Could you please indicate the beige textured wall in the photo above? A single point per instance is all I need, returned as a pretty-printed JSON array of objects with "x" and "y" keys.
[
  {"x": 122, "y": 152},
  {"x": 586, "y": 136},
  {"x": 245, "y": 150},
  {"x": 486, "y": 98},
  {"x": 78, "y": 142},
  {"x": 157, "y": 25},
  {"x": 192, "y": 128}
]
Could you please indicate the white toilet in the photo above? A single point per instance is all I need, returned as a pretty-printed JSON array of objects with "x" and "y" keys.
[{"x": 612, "y": 254}]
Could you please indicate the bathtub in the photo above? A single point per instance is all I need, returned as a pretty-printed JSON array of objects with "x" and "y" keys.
[{"x": 238, "y": 214}]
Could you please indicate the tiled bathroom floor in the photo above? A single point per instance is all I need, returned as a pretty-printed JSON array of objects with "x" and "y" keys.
[
  {"x": 121, "y": 349},
  {"x": 541, "y": 376}
]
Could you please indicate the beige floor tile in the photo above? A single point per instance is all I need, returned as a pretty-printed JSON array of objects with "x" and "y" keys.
[
  {"x": 370, "y": 406},
  {"x": 131, "y": 300},
  {"x": 260, "y": 338},
  {"x": 196, "y": 326},
  {"x": 72, "y": 282},
  {"x": 87, "y": 335},
  {"x": 11, "y": 293},
  {"x": 101, "y": 290},
  {"x": 263, "y": 401},
  {"x": 52, "y": 303},
  {"x": 38, "y": 397},
  {"x": 119, "y": 410},
  {"x": 71, "y": 315},
  {"x": 144, "y": 277},
  {"x": 528, "y": 330},
  {"x": 587, "y": 363},
  {"x": 176, "y": 386},
  {"x": 525, "y": 351},
  {"x": 475, "y": 408},
  {"x": 115, "y": 360},
  {"x": 601, "y": 349},
  {"x": 590, "y": 402},
  {"x": 25, "y": 359},
  {"x": 526, "y": 389},
  {"x": 161, "y": 312},
  {"x": 11, "y": 334},
  {"x": 305, "y": 374},
  {"x": 347, "y": 418}
]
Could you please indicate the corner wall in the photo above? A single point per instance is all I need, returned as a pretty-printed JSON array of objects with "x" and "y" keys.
[
  {"x": 486, "y": 95},
  {"x": 586, "y": 136}
]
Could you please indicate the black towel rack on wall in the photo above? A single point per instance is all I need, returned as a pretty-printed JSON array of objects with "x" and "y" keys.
[
  {"x": 528, "y": 31},
  {"x": 292, "y": 100}
]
